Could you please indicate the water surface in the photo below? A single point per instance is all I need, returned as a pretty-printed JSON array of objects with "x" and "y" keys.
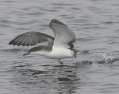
[{"x": 96, "y": 69}]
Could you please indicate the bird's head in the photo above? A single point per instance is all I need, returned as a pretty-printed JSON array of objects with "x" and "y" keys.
[{"x": 54, "y": 24}]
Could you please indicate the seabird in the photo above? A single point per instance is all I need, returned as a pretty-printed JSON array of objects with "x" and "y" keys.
[{"x": 58, "y": 47}]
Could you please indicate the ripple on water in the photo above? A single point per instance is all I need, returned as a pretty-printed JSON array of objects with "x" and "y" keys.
[
  {"x": 95, "y": 22},
  {"x": 61, "y": 79}
]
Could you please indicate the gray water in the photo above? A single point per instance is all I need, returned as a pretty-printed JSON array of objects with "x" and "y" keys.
[{"x": 96, "y": 69}]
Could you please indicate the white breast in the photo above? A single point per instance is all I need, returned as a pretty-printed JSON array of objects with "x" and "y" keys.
[
  {"x": 61, "y": 52},
  {"x": 56, "y": 52}
]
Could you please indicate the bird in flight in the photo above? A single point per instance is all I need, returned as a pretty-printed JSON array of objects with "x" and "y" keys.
[{"x": 58, "y": 47}]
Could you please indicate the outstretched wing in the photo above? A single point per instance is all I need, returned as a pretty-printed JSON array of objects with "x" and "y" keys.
[
  {"x": 31, "y": 38},
  {"x": 63, "y": 35}
]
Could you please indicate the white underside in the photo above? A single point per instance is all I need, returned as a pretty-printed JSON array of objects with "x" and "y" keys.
[{"x": 57, "y": 52}]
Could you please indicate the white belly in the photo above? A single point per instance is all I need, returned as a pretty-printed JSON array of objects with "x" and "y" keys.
[
  {"x": 61, "y": 53},
  {"x": 57, "y": 52}
]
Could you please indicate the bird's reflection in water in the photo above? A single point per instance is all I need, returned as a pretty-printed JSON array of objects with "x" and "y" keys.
[
  {"x": 67, "y": 79},
  {"x": 59, "y": 79}
]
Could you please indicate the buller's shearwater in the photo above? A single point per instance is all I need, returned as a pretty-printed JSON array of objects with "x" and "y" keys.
[{"x": 57, "y": 47}]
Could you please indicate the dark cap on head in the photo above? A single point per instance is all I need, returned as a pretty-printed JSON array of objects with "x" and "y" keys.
[{"x": 55, "y": 21}]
